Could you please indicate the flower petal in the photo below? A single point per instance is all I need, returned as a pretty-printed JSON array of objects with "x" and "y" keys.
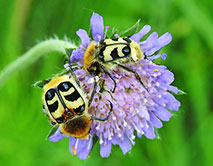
[
  {"x": 77, "y": 55},
  {"x": 165, "y": 39},
  {"x": 149, "y": 46},
  {"x": 162, "y": 113},
  {"x": 150, "y": 42},
  {"x": 154, "y": 57},
  {"x": 167, "y": 77},
  {"x": 150, "y": 132},
  {"x": 125, "y": 145},
  {"x": 57, "y": 136},
  {"x": 136, "y": 37},
  {"x": 84, "y": 148},
  {"x": 173, "y": 89},
  {"x": 97, "y": 27},
  {"x": 163, "y": 56},
  {"x": 155, "y": 121},
  {"x": 172, "y": 104},
  {"x": 85, "y": 40},
  {"x": 105, "y": 149},
  {"x": 153, "y": 43},
  {"x": 71, "y": 145}
]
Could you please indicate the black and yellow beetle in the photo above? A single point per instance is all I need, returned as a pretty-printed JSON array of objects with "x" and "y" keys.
[
  {"x": 67, "y": 106},
  {"x": 110, "y": 53}
]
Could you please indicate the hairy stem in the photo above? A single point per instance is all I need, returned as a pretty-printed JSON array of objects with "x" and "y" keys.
[{"x": 32, "y": 56}]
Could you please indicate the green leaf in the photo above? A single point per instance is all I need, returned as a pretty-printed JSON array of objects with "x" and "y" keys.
[
  {"x": 41, "y": 84},
  {"x": 180, "y": 92},
  {"x": 52, "y": 131},
  {"x": 95, "y": 140},
  {"x": 90, "y": 32},
  {"x": 156, "y": 133},
  {"x": 68, "y": 52},
  {"x": 62, "y": 72},
  {"x": 132, "y": 30},
  {"x": 112, "y": 33}
]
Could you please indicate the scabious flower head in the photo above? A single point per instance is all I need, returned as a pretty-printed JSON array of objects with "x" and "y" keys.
[{"x": 134, "y": 108}]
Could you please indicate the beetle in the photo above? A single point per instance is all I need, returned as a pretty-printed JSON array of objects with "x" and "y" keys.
[
  {"x": 66, "y": 105},
  {"x": 109, "y": 54}
]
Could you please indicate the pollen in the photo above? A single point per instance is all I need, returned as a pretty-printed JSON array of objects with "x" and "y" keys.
[{"x": 74, "y": 150}]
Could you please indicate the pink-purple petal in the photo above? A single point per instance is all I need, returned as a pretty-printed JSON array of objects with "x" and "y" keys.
[
  {"x": 85, "y": 40},
  {"x": 97, "y": 27},
  {"x": 163, "y": 56},
  {"x": 125, "y": 145},
  {"x": 77, "y": 55},
  {"x": 105, "y": 149},
  {"x": 154, "y": 57},
  {"x": 164, "y": 40},
  {"x": 172, "y": 104},
  {"x": 57, "y": 136},
  {"x": 155, "y": 121},
  {"x": 162, "y": 113},
  {"x": 173, "y": 89},
  {"x": 72, "y": 142},
  {"x": 150, "y": 132},
  {"x": 153, "y": 44},
  {"x": 136, "y": 37},
  {"x": 167, "y": 77},
  {"x": 84, "y": 147}
]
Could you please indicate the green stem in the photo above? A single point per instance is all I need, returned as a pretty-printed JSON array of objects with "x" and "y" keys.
[{"x": 32, "y": 56}]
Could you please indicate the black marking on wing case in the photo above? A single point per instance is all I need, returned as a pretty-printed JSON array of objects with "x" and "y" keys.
[
  {"x": 101, "y": 42},
  {"x": 53, "y": 107},
  {"x": 73, "y": 96},
  {"x": 115, "y": 39},
  {"x": 100, "y": 55},
  {"x": 50, "y": 94},
  {"x": 65, "y": 86},
  {"x": 127, "y": 40},
  {"x": 101, "y": 52},
  {"x": 114, "y": 54},
  {"x": 126, "y": 51},
  {"x": 60, "y": 119},
  {"x": 80, "y": 109}
]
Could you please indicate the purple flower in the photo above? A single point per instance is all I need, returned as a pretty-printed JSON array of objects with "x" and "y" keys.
[
  {"x": 97, "y": 29},
  {"x": 134, "y": 109}
]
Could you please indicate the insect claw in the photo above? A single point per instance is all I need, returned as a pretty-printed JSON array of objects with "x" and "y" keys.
[{"x": 106, "y": 118}]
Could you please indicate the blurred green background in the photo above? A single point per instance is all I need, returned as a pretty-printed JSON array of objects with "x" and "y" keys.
[{"x": 187, "y": 139}]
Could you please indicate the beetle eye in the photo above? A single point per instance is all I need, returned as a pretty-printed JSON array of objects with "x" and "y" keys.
[{"x": 50, "y": 94}]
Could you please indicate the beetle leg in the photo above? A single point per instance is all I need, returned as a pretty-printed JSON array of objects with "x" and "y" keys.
[
  {"x": 74, "y": 75},
  {"x": 136, "y": 75},
  {"x": 69, "y": 53},
  {"x": 106, "y": 118},
  {"x": 108, "y": 73},
  {"x": 93, "y": 92}
]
